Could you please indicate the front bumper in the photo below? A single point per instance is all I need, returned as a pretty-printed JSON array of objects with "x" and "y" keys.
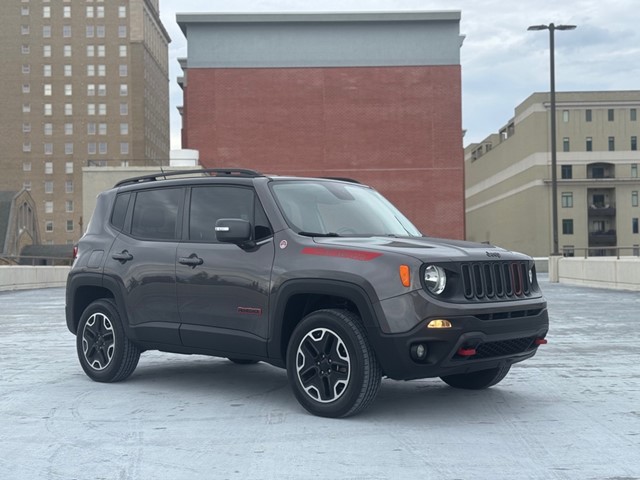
[{"x": 474, "y": 342}]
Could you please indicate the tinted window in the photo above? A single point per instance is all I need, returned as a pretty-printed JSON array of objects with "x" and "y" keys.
[
  {"x": 120, "y": 210},
  {"x": 155, "y": 214},
  {"x": 209, "y": 204}
]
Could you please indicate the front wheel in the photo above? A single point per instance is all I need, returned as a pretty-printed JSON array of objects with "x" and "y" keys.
[
  {"x": 477, "y": 380},
  {"x": 331, "y": 366},
  {"x": 104, "y": 351}
]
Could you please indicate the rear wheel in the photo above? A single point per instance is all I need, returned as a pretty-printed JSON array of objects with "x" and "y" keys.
[
  {"x": 105, "y": 353},
  {"x": 331, "y": 366},
  {"x": 478, "y": 380}
]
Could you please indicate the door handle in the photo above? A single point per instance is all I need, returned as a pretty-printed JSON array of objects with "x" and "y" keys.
[
  {"x": 122, "y": 257},
  {"x": 192, "y": 260}
]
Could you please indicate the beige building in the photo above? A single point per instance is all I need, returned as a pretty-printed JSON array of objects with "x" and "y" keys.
[
  {"x": 508, "y": 176},
  {"x": 85, "y": 83}
]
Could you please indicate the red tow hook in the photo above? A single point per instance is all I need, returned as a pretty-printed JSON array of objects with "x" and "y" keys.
[
  {"x": 541, "y": 341},
  {"x": 466, "y": 352}
]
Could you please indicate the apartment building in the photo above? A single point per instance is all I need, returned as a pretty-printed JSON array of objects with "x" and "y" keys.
[
  {"x": 85, "y": 83},
  {"x": 508, "y": 176}
]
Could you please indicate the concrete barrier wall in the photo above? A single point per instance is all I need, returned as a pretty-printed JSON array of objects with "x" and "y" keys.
[
  {"x": 24, "y": 277},
  {"x": 605, "y": 272}
]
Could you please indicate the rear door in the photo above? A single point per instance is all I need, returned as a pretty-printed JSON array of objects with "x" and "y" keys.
[
  {"x": 142, "y": 260},
  {"x": 222, "y": 289}
]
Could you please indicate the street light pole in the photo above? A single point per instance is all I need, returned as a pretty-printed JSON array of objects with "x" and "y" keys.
[{"x": 554, "y": 156}]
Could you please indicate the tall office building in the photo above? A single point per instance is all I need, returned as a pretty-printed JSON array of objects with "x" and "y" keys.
[
  {"x": 84, "y": 82},
  {"x": 508, "y": 177}
]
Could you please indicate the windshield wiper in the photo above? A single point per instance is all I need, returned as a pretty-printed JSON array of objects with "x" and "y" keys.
[{"x": 315, "y": 234}]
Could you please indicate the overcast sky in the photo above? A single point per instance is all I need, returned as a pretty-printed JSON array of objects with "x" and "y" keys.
[{"x": 502, "y": 63}]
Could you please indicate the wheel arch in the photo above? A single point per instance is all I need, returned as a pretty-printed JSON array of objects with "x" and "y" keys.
[{"x": 297, "y": 298}]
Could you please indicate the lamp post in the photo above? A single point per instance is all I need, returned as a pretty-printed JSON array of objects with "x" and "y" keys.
[{"x": 554, "y": 174}]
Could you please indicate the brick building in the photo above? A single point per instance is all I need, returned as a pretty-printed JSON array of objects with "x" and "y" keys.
[{"x": 372, "y": 96}]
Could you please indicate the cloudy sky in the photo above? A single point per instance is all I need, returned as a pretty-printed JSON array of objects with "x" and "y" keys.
[{"x": 502, "y": 63}]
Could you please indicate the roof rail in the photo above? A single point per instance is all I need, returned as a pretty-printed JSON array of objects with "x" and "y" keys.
[
  {"x": 342, "y": 179},
  {"x": 212, "y": 172}
]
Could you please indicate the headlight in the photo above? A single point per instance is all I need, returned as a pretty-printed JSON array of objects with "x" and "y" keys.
[
  {"x": 531, "y": 275},
  {"x": 435, "y": 279}
]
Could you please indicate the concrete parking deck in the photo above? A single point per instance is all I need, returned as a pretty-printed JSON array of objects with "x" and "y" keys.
[{"x": 571, "y": 412}]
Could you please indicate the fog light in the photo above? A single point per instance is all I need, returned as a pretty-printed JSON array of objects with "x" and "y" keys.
[
  {"x": 439, "y": 323},
  {"x": 419, "y": 351}
]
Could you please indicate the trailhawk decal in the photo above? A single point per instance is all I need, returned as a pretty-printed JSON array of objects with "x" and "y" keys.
[{"x": 361, "y": 255}]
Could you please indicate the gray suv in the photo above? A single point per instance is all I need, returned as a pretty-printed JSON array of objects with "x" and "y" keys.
[{"x": 323, "y": 277}]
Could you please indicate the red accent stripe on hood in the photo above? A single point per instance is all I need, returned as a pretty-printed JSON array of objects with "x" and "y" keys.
[{"x": 361, "y": 255}]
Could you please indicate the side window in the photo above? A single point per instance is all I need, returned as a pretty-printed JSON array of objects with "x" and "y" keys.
[
  {"x": 211, "y": 203},
  {"x": 155, "y": 214},
  {"x": 120, "y": 210}
]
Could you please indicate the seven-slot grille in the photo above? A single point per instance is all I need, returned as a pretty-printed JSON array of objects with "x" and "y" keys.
[{"x": 495, "y": 280}]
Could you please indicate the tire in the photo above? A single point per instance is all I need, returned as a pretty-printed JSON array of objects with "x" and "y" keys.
[
  {"x": 104, "y": 351},
  {"x": 331, "y": 367},
  {"x": 478, "y": 380},
  {"x": 243, "y": 361}
]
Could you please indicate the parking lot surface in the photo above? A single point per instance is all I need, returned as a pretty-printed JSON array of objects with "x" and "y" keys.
[{"x": 571, "y": 412}]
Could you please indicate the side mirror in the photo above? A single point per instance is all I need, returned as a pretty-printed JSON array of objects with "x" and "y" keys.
[{"x": 233, "y": 230}]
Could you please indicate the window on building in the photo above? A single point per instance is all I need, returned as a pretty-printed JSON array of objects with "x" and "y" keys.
[
  {"x": 48, "y": 109},
  {"x": 565, "y": 144},
  {"x": 634, "y": 225},
  {"x": 102, "y": 109},
  {"x": 565, "y": 116},
  {"x": 124, "y": 148},
  {"x": 66, "y": 31},
  {"x": 47, "y": 89},
  {"x": 124, "y": 129},
  {"x": 24, "y": 30},
  {"x": 46, "y": 12},
  {"x": 48, "y": 129},
  {"x": 69, "y": 225},
  {"x": 46, "y": 50},
  {"x": 102, "y": 51},
  {"x": 24, "y": 10},
  {"x": 48, "y": 148},
  {"x": 567, "y": 200},
  {"x": 568, "y": 250},
  {"x": 68, "y": 168},
  {"x": 26, "y": 108},
  {"x": 91, "y": 51},
  {"x": 26, "y": 166},
  {"x": 26, "y": 87},
  {"x": 122, "y": 31},
  {"x": 91, "y": 70},
  {"x": 26, "y": 146},
  {"x": 102, "y": 129},
  {"x": 102, "y": 70},
  {"x": 122, "y": 11},
  {"x": 610, "y": 115},
  {"x": 90, "y": 31},
  {"x": 68, "y": 128},
  {"x": 68, "y": 206},
  {"x": 48, "y": 226},
  {"x": 68, "y": 70},
  {"x": 102, "y": 90},
  {"x": 91, "y": 108},
  {"x": 26, "y": 49},
  {"x": 46, "y": 31},
  {"x": 91, "y": 90},
  {"x": 123, "y": 50},
  {"x": 100, "y": 11},
  {"x": 68, "y": 90},
  {"x": 68, "y": 148},
  {"x": 587, "y": 115},
  {"x": 634, "y": 170},
  {"x": 567, "y": 226},
  {"x": 124, "y": 89},
  {"x": 634, "y": 198},
  {"x": 91, "y": 128},
  {"x": 612, "y": 144},
  {"x": 100, "y": 31},
  {"x": 26, "y": 68},
  {"x": 48, "y": 168},
  {"x": 67, "y": 50},
  {"x": 634, "y": 143},
  {"x": 48, "y": 207},
  {"x": 68, "y": 109},
  {"x": 26, "y": 186},
  {"x": 589, "y": 145},
  {"x": 66, "y": 11},
  {"x": 26, "y": 128},
  {"x": 124, "y": 109},
  {"x": 123, "y": 69},
  {"x": 91, "y": 148},
  {"x": 633, "y": 114},
  {"x": 90, "y": 11},
  {"x": 102, "y": 148},
  {"x": 46, "y": 70},
  {"x": 68, "y": 186}
]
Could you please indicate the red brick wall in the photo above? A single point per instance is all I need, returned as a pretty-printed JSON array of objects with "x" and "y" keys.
[{"x": 397, "y": 129}]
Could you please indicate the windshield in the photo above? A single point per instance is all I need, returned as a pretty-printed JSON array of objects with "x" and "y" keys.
[{"x": 339, "y": 209}]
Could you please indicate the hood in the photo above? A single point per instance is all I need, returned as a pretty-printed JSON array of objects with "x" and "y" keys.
[{"x": 425, "y": 248}]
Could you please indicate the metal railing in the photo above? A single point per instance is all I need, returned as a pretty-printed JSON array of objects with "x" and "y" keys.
[{"x": 604, "y": 251}]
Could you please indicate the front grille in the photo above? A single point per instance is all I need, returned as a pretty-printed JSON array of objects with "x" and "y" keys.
[
  {"x": 495, "y": 280},
  {"x": 501, "y": 348}
]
